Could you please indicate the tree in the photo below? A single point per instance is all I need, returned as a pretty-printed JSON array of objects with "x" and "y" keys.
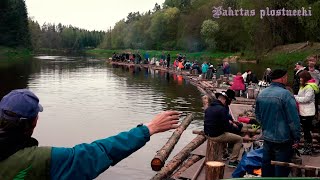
[
  {"x": 209, "y": 29},
  {"x": 14, "y": 24}
]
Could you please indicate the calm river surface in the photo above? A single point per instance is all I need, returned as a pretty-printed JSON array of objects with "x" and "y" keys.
[{"x": 86, "y": 99}]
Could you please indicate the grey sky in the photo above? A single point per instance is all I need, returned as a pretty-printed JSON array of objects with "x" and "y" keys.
[{"x": 87, "y": 14}]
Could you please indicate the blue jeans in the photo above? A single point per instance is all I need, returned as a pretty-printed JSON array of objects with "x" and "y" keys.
[{"x": 276, "y": 152}]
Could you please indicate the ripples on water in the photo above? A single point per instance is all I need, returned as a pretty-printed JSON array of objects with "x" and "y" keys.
[{"x": 86, "y": 99}]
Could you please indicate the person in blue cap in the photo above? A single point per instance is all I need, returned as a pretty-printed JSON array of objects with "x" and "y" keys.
[{"x": 21, "y": 158}]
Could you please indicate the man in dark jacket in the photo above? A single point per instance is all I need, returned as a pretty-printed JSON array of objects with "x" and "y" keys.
[
  {"x": 218, "y": 127},
  {"x": 296, "y": 78}
]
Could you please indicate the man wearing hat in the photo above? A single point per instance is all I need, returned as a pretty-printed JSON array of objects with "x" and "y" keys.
[
  {"x": 277, "y": 112},
  {"x": 218, "y": 127},
  {"x": 21, "y": 158},
  {"x": 296, "y": 79}
]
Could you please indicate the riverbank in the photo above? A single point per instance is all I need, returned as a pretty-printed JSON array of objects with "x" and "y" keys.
[
  {"x": 14, "y": 53},
  {"x": 280, "y": 55}
]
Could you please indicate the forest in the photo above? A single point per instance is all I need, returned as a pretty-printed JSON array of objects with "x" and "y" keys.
[{"x": 186, "y": 25}]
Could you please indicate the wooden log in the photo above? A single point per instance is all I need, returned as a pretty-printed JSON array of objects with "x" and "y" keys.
[
  {"x": 310, "y": 172},
  {"x": 278, "y": 163},
  {"x": 188, "y": 163},
  {"x": 199, "y": 132},
  {"x": 179, "y": 158},
  {"x": 158, "y": 161},
  {"x": 195, "y": 176},
  {"x": 313, "y": 145},
  {"x": 214, "y": 170},
  {"x": 214, "y": 150}
]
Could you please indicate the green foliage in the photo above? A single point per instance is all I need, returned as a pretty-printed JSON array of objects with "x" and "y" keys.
[
  {"x": 209, "y": 29},
  {"x": 180, "y": 25},
  {"x": 51, "y": 36},
  {"x": 14, "y": 24}
]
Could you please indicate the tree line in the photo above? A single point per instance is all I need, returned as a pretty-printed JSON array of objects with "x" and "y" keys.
[
  {"x": 51, "y": 36},
  {"x": 175, "y": 25},
  {"x": 189, "y": 25},
  {"x": 16, "y": 30}
]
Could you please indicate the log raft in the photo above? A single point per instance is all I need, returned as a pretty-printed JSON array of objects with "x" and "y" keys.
[
  {"x": 159, "y": 160},
  {"x": 179, "y": 158}
]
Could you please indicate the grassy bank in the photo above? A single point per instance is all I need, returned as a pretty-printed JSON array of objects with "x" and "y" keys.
[
  {"x": 284, "y": 56},
  {"x": 14, "y": 53}
]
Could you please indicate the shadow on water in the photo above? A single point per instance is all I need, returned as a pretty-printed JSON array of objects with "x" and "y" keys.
[{"x": 15, "y": 74}]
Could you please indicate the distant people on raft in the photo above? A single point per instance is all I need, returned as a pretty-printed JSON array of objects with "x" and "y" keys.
[
  {"x": 226, "y": 68},
  {"x": 196, "y": 66},
  {"x": 187, "y": 65},
  {"x": 168, "y": 60},
  {"x": 245, "y": 75},
  {"x": 251, "y": 78},
  {"x": 238, "y": 83},
  {"x": 266, "y": 76},
  {"x": 180, "y": 65},
  {"x": 204, "y": 69}
]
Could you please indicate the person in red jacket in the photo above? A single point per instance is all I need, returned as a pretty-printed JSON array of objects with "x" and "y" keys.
[{"x": 238, "y": 83}]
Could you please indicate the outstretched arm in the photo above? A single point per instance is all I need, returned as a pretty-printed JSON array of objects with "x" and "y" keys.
[{"x": 87, "y": 161}]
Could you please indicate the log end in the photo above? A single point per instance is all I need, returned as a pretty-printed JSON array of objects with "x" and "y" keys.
[
  {"x": 215, "y": 164},
  {"x": 156, "y": 164}
]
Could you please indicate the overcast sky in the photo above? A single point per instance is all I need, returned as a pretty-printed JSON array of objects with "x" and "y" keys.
[{"x": 87, "y": 14}]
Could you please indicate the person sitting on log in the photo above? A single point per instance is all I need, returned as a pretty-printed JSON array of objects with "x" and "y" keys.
[
  {"x": 218, "y": 127},
  {"x": 21, "y": 158}
]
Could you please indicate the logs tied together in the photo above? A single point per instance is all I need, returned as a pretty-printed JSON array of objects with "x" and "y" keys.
[
  {"x": 188, "y": 163},
  {"x": 159, "y": 160},
  {"x": 179, "y": 158},
  {"x": 214, "y": 170}
]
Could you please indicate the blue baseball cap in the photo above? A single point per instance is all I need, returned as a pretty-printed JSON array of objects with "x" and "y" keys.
[{"x": 22, "y": 103}]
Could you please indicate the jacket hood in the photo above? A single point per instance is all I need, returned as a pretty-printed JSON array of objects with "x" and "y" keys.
[{"x": 314, "y": 86}]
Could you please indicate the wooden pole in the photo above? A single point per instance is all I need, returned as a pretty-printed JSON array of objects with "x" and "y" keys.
[
  {"x": 158, "y": 161},
  {"x": 214, "y": 170},
  {"x": 278, "y": 163},
  {"x": 214, "y": 150},
  {"x": 195, "y": 176},
  {"x": 200, "y": 132},
  {"x": 179, "y": 158},
  {"x": 188, "y": 163}
]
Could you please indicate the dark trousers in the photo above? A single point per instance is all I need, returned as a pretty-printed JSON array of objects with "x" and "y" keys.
[
  {"x": 276, "y": 152},
  {"x": 306, "y": 122}
]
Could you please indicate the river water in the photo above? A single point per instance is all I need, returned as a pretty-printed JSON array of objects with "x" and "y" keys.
[{"x": 86, "y": 99}]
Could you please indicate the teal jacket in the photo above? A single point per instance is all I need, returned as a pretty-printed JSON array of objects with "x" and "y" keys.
[{"x": 87, "y": 161}]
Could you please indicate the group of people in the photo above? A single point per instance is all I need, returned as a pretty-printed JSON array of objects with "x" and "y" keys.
[{"x": 281, "y": 113}]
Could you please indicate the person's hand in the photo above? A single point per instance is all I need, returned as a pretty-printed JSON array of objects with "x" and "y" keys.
[{"x": 163, "y": 121}]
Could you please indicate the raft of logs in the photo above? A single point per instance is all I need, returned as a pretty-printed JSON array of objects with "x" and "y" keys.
[{"x": 183, "y": 160}]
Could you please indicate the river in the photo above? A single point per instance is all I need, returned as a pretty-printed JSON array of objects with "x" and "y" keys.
[{"x": 86, "y": 99}]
